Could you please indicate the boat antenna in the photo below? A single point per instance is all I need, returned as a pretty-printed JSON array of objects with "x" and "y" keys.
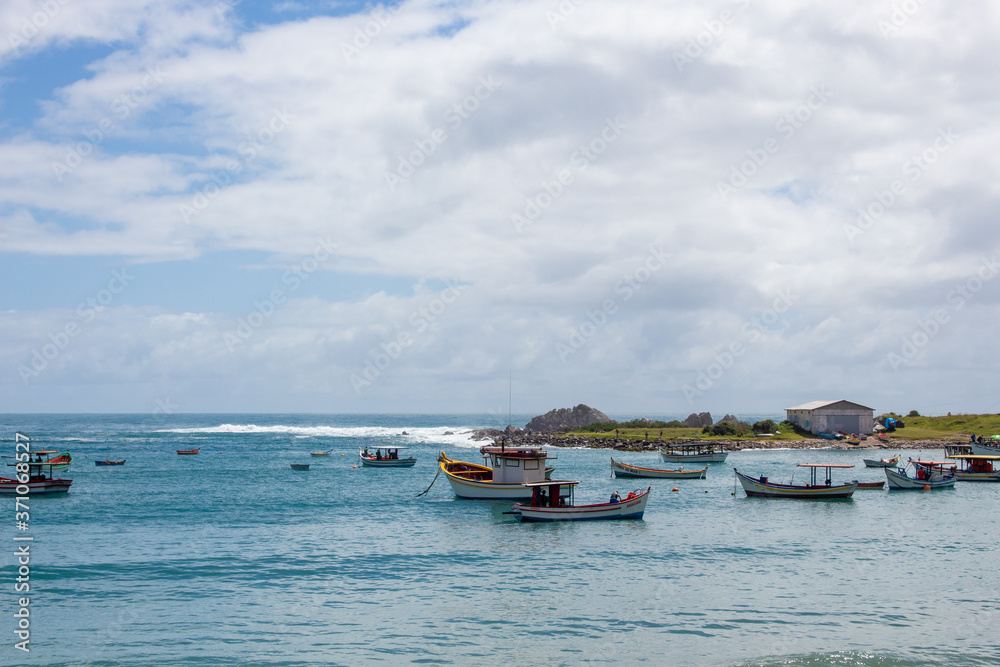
[{"x": 510, "y": 394}]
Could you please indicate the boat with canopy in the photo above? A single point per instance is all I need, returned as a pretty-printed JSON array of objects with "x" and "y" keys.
[
  {"x": 625, "y": 470},
  {"x": 762, "y": 487},
  {"x": 550, "y": 503}
]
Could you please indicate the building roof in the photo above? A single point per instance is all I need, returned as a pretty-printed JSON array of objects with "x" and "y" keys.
[{"x": 815, "y": 405}]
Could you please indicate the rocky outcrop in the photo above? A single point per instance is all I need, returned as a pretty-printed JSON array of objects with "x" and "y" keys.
[
  {"x": 731, "y": 419},
  {"x": 564, "y": 419},
  {"x": 699, "y": 420}
]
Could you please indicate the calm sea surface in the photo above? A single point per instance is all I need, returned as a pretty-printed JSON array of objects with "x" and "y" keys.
[{"x": 232, "y": 558}]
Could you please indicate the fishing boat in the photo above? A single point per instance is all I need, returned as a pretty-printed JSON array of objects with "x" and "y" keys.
[
  {"x": 826, "y": 435},
  {"x": 882, "y": 463},
  {"x": 300, "y": 466},
  {"x": 764, "y": 488},
  {"x": 625, "y": 470},
  {"x": 709, "y": 452},
  {"x": 926, "y": 475},
  {"x": 110, "y": 463},
  {"x": 853, "y": 440},
  {"x": 977, "y": 467},
  {"x": 984, "y": 449},
  {"x": 553, "y": 501},
  {"x": 36, "y": 481},
  {"x": 510, "y": 471},
  {"x": 388, "y": 460},
  {"x": 868, "y": 486},
  {"x": 58, "y": 462},
  {"x": 188, "y": 452},
  {"x": 320, "y": 453}
]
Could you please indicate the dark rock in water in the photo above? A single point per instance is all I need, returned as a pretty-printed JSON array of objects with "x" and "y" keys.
[
  {"x": 448, "y": 433},
  {"x": 566, "y": 419},
  {"x": 404, "y": 433}
]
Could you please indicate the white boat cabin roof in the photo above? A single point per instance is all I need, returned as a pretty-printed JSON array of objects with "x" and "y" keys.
[{"x": 826, "y": 465}]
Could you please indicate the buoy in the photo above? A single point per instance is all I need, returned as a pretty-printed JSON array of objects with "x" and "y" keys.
[
  {"x": 927, "y": 487},
  {"x": 675, "y": 489},
  {"x": 341, "y": 454},
  {"x": 706, "y": 492}
]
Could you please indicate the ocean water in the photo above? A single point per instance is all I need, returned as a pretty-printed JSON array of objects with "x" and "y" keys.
[{"x": 232, "y": 558}]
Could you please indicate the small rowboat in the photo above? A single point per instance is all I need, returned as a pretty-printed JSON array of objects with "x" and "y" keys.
[
  {"x": 884, "y": 437},
  {"x": 388, "y": 460},
  {"x": 320, "y": 454},
  {"x": 625, "y": 470},
  {"x": 700, "y": 453},
  {"x": 555, "y": 506},
  {"x": 300, "y": 466},
  {"x": 110, "y": 463},
  {"x": 870, "y": 485},
  {"x": 882, "y": 463},
  {"x": 766, "y": 489},
  {"x": 188, "y": 452}
]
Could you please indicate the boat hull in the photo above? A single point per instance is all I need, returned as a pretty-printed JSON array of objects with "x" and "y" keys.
[
  {"x": 869, "y": 463},
  {"x": 109, "y": 463},
  {"x": 763, "y": 489},
  {"x": 626, "y": 509},
  {"x": 388, "y": 463},
  {"x": 715, "y": 457},
  {"x": 8, "y": 487},
  {"x": 625, "y": 470},
  {"x": 901, "y": 481},
  {"x": 984, "y": 450},
  {"x": 977, "y": 476}
]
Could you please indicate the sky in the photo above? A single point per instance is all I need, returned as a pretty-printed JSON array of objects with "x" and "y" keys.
[{"x": 648, "y": 207}]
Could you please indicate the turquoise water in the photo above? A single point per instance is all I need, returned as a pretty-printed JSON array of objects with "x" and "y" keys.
[{"x": 232, "y": 558}]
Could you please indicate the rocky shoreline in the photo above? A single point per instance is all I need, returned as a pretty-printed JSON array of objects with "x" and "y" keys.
[{"x": 517, "y": 437}]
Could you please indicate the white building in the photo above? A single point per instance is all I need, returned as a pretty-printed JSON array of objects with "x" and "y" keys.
[{"x": 820, "y": 416}]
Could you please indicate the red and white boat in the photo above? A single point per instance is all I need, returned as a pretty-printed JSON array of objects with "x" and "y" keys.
[
  {"x": 549, "y": 503},
  {"x": 38, "y": 480},
  {"x": 388, "y": 460}
]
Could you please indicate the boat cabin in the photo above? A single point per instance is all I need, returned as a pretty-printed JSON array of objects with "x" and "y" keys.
[
  {"x": 983, "y": 463},
  {"x": 557, "y": 493},
  {"x": 813, "y": 467},
  {"x": 516, "y": 465},
  {"x": 925, "y": 469},
  {"x": 382, "y": 453}
]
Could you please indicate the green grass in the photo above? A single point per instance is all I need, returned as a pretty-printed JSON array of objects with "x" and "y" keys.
[
  {"x": 671, "y": 434},
  {"x": 919, "y": 428}
]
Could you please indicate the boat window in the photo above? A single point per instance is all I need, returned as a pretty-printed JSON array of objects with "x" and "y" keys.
[
  {"x": 512, "y": 463},
  {"x": 531, "y": 465}
]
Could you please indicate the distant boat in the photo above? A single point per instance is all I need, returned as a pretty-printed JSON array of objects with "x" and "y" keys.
[
  {"x": 984, "y": 449},
  {"x": 556, "y": 506},
  {"x": 388, "y": 460},
  {"x": 826, "y": 435},
  {"x": 882, "y": 463},
  {"x": 764, "y": 488},
  {"x": 300, "y": 466},
  {"x": 694, "y": 453},
  {"x": 625, "y": 470},
  {"x": 188, "y": 452},
  {"x": 870, "y": 485},
  {"x": 110, "y": 463},
  {"x": 977, "y": 468},
  {"x": 320, "y": 454},
  {"x": 926, "y": 475}
]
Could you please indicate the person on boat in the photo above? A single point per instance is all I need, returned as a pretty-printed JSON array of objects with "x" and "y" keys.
[
  {"x": 615, "y": 498},
  {"x": 366, "y": 450},
  {"x": 378, "y": 454}
]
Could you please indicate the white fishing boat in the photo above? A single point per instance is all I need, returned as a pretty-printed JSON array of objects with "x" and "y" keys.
[
  {"x": 510, "y": 471},
  {"x": 34, "y": 478},
  {"x": 882, "y": 463},
  {"x": 550, "y": 503},
  {"x": 387, "y": 459},
  {"x": 926, "y": 475},
  {"x": 977, "y": 467},
  {"x": 987, "y": 448},
  {"x": 709, "y": 452},
  {"x": 625, "y": 470},
  {"x": 762, "y": 487}
]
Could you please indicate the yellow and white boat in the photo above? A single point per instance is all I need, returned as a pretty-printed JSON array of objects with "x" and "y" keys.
[{"x": 509, "y": 472}]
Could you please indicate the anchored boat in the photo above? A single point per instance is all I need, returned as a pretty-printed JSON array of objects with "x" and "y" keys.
[
  {"x": 549, "y": 502},
  {"x": 388, "y": 460},
  {"x": 926, "y": 475},
  {"x": 37, "y": 480},
  {"x": 764, "y": 488},
  {"x": 510, "y": 471},
  {"x": 882, "y": 463},
  {"x": 625, "y": 470},
  {"x": 977, "y": 467},
  {"x": 695, "y": 453}
]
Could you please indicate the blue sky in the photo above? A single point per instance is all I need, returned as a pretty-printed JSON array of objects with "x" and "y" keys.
[{"x": 349, "y": 207}]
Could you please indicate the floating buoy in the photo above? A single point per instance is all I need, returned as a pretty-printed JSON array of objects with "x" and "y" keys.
[
  {"x": 675, "y": 489},
  {"x": 927, "y": 487},
  {"x": 354, "y": 466},
  {"x": 706, "y": 492}
]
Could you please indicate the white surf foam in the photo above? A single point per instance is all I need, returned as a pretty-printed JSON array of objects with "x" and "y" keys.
[{"x": 451, "y": 435}]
